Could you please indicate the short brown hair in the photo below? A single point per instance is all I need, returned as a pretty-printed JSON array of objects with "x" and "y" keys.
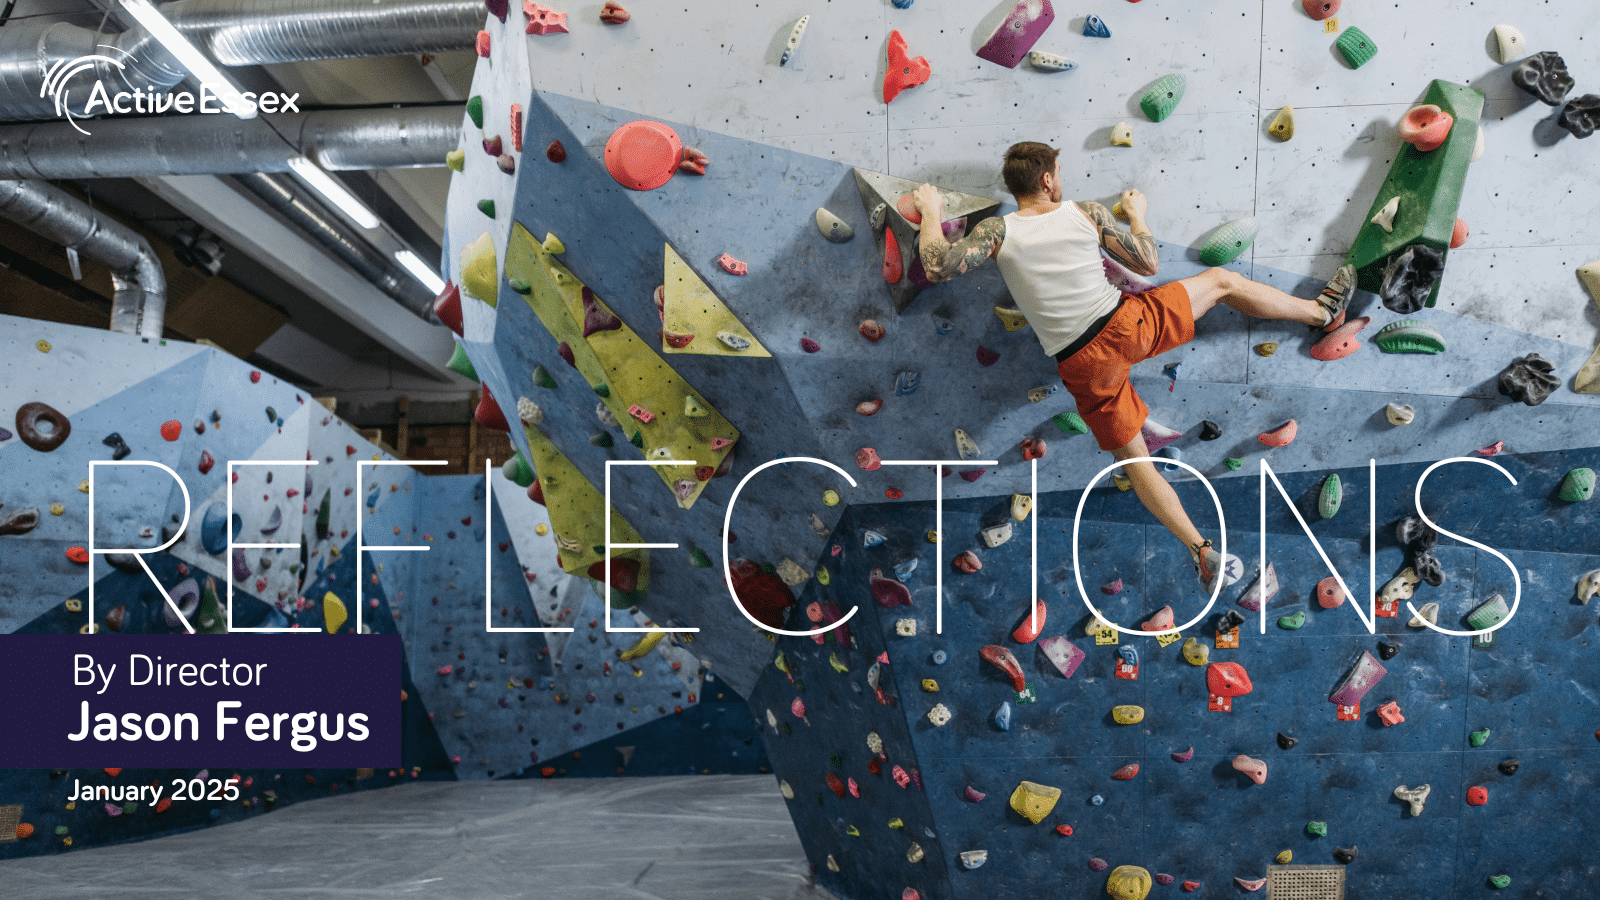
[{"x": 1026, "y": 163}]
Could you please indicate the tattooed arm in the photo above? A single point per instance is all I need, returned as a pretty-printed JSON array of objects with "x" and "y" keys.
[
  {"x": 1136, "y": 250},
  {"x": 943, "y": 260}
]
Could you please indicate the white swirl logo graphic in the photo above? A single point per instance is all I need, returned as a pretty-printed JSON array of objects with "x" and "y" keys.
[
  {"x": 55, "y": 81},
  {"x": 213, "y": 98}
]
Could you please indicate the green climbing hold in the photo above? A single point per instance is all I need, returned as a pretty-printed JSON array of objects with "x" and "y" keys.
[
  {"x": 602, "y": 389},
  {"x": 1234, "y": 463},
  {"x": 1500, "y": 882},
  {"x": 1227, "y": 243},
  {"x": 601, "y": 439},
  {"x": 486, "y": 207},
  {"x": 61, "y": 829},
  {"x": 272, "y": 414},
  {"x": 698, "y": 558},
  {"x": 1358, "y": 49},
  {"x": 1320, "y": 829},
  {"x": 1578, "y": 485},
  {"x": 837, "y": 760},
  {"x": 517, "y": 470},
  {"x": 520, "y": 286},
  {"x": 1163, "y": 97},
  {"x": 461, "y": 365},
  {"x": 1332, "y": 496},
  {"x": 1479, "y": 738},
  {"x": 541, "y": 377},
  {"x": 475, "y": 109},
  {"x": 1409, "y": 336},
  {"x": 1071, "y": 423},
  {"x": 637, "y": 440},
  {"x": 1293, "y": 621}
]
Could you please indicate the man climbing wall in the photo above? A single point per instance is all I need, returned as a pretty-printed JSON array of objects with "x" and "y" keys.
[{"x": 1049, "y": 256}]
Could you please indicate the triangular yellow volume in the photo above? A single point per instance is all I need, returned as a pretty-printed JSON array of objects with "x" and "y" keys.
[{"x": 691, "y": 308}]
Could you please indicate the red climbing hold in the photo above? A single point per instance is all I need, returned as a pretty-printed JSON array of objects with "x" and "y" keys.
[
  {"x": 1026, "y": 631},
  {"x": 597, "y": 318},
  {"x": 1329, "y": 596},
  {"x": 1065, "y": 830},
  {"x": 613, "y": 13},
  {"x": 967, "y": 562},
  {"x": 488, "y": 413},
  {"x": 834, "y": 784},
  {"x": 907, "y": 207},
  {"x": 255, "y": 377},
  {"x": 536, "y": 492},
  {"x": 704, "y": 473},
  {"x": 447, "y": 307},
  {"x": 732, "y": 266},
  {"x": 987, "y": 357},
  {"x": 762, "y": 594},
  {"x": 971, "y": 475},
  {"x": 1227, "y": 679},
  {"x": 1477, "y": 795},
  {"x": 494, "y": 146},
  {"x": 867, "y": 459},
  {"x": 172, "y": 430},
  {"x": 1192, "y": 886},
  {"x": 1319, "y": 10},
  {"x": 1341, "y": 342},
  {"x": 1491, "y": 450},
  {"x": 643, "y": 155},
  {"x": 564, "y": 350},
  {"x": 892, "y": 264},
  {"x": 206, "y": 462},
  {"x": 555, "y": 152},
  {"x": 1127, "y": 772},
  {"x": 675, "y": 340},
  {"x": 1458, "y": 234},
  {"x": 1033, "y": 448},
  {"x": 1003, "y": 659},
  {"x": 1425, "y": 127},
  {"x": 869, "y": 407},
  {"x": 516, "y": 127},
  {"x": 871, "y": 330},
  {"x": 1282, "y": 436},
  {"x": 904, "y": 70},
  {"x": 887, "y": 591},
  {"x": 78, "y": 555},
  {"x": 693, "y": 162},
  {"x": 624, "y": 573},
  {"x": 481, "y": 44}
]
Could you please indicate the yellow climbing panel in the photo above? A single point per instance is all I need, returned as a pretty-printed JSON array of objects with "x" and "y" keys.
[
  {"x": 692, "y": 309},
  {"x": 575, "y": 508}
]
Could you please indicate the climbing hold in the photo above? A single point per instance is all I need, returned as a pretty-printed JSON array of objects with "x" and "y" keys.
[
  {"x": 903, "y": 70},
  {"x": 907, "y": 382},
  {"x": 893, "y": 264},
  {"x": 1458, "y": 234},
  {"x": 488, "y": 413},
  {"x": 1529, "y": 379},
  {"x": 1097, "y": 800},
  {"x": 1545, "y": 76},
  {"x": 1027, "y": 631},
  {"x": 1292, "y": 621},
  {"x": 930, "y": 686},
  {"x": 1319, "y": 829},
  {"x": 494, "y": 146},
  {"x": 1021, "y": 505},
  {"x": 1034, "y": 801},
  {"x": 1282, "y": 125},
  {"x": 1428, "y": 613},
  {"x": 1163, "y": 97},
  {"x": 456, "y": 160},
  {"x": 972, "y": 859},
  {"x": 1093, "y": 26},
  {"x": 1410, "y": 278},
  {"x": 1122, "y": 135},
  {"x": 1262, "y": 590},
  {"x": 1071, "y": 423},
  {"x": 1256, "y": 769},
  {"x": 1409, "y": 336},
  {"x": 1191, "y": 886},
  {"x": 1002, "y": 716},
  {"x": 1010, "y": 318},
  {"x": 1041, "y": 394},
  {"x": 1384, "y": 218},
  {"x": 1509, "y": 766},
  {"x": 995, "y": 535},
  {"x": 1509, "y": 44},
  {"x": 1358, "y": 49},
  {"x": 1209, "y": 430},
  {"x": 1050, "y": 62},
  {"x": 1340, "y": 342},
  {"x": 1281, "y": 436},
  {"x": 1266, "y": 348},
  {"x": 1184, "y": 755},
  {"x": 119, "y": 447},
  {"x": 1479, "y": 738},
  {"x": 1128, "y": 883},
  {"x": 1127, "y": 772},
  {"x": 613, "y": 13},
  {"x": 447, "y": 307},
  {"x": 832, "y": 227},
  {"x": 1195, "y": 653},
  {"x": 987, "y": 357},
  {"x": 1225, "y": 244},
  {"x": 1321, "y": 9},
  {"x": 1127, "y": 714},
  {"x": 1227, "y": 679},
  {"x": 1111, "y": 588},
  {"x": 1399, "y": 414},
  {"x": 1364, "y": 675},
  {"x": 1389, "y": 714},
  {"x": 486, "y": 207},
  {"x": 544, "y": 20},
  {"x": 1588, "y": 584},
  {"x": 1499, "y": 882},
  {"x": 1425, "y": 127},
  {"x": 1160, "y": 620},
  {"x": 1286, "y": 742},
  {"x": 732, "y": 266},
  {"x": 1414, "y": 796},
  {"x": 1578, "y": 485},
  {"x": 44, "y": 428},
  {"x": 867, "y": 459},
  {"x": 871, "y": 330},
  {"x": 1249, "y": 884},
  {"x": 1345, "y": 855},
  {"x": 1063, "y": 654},
  {"x": 1017, "y": 33},
  {"x": 1332, "y": 495},
  {"x": 1388, "y": 650},
  {"x": 1157, "y": 435},
  {"x": 888, "y": 592},
  {"x": 973, "y": 795},
  {"x": 1002, "y": 659},
  {"x": 1284, "y": 857},
  {"x": 1581, "y": 115}
]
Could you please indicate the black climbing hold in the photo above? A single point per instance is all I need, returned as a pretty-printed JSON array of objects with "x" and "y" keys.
[
  {"x": 1345, "y": 855},
  {"x": 1544, "y": 75},
  {"x": 1510, "y": 766},
  {"x": 1285, "y": 742},
  {"x": 30, "y": 416},
  {"x": 1427, "y": 567},
  {"x": 1529, "y": 379},
  {"x": 1415, "y": 533},
  {"x": 119, "y": 447},
  {"x": 1230, "y": 620},
  {"x": 1388, "y": 649},
  {"x": 1581, "y": 116},
  {"x": 1410, "y": 277},
  {"x": 1210, "y": 431}
]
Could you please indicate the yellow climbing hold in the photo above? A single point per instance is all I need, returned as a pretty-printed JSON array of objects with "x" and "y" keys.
[
  {"x": 57, "y": 509},
  {"x": 832, "y": 865},
  {"x": 1122, "y": 135},
  {"x": 1129, "y": 883},
  {"x": 333, "y": 612},
  {"x": 541, "y": 529},
  {"x": 73, "y": 604},
  {"x": 693, "y": 409},
  {"x": 896, "y": 823},
  {"x": 914, "y": 853},
  {"x": 479, "y": 272},
  {"x": 645, "y": 645},
  {"x": 929, "y": 685},
  {"x": 1196, "y": 653},
  {"x": 83, "y": 486},
  {"x": 1034, "y": 801},
  {"x": 933, "y": 536},
  {"x": 1021, "y": 505},
  {"x": 837, "y": 663},
  {"x": 1120, "y": 480},
  {"x": 1282, "y": 126},
  {"x": 852, "y": 831},
  {"x": 1127, "y": 715},
  {"x": 830, "y": 497},
  {"x": 552, "y": 244},
  {"x": 44, "y": 346},
  {"x": 1284, "y": 858},
  {"x": 822, "y": 576},
  {"x": 1012, "y": 319}
]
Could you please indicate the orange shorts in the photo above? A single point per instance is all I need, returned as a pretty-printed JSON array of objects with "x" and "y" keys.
[{"x": 1145, "y": 325}]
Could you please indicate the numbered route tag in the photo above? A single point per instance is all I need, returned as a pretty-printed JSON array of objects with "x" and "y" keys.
[
  {"x": 1388, "y": 609},
  {"x": 1329, "y": 26},
  {"x": 1166, "y": 640},
  {"x": 1220, "y": 704},
  {"x": 1026, "y": 695},
  {"x": 1227, "y": 640},
  {"x": 1126, "y": 670},
  {"x": 1349, "y": 713},
  {"x": 1105, "y": 637}
]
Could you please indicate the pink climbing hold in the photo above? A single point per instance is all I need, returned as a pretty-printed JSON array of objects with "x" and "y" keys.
[
  {"x": 732, "y": 266},
  {"x": 1341, "y": 342},
  {"x": 1329, "y": 595},
  {"x": 494, "y": 146},
  {"x": 867, "y": 459},
  {"x": 1033, "y": 448},
  {"x": 871, "y": 330},
  {"x": 987, "y": 357},
  {"x": 1002, "y": 659},
  {"x": 1017, "y": 34},
  {"x": 564, "y": 350},
  {"x": 447, "y": 308},
  {"x": 1477, "y": 795},
  {"x": 1389, "y": 713},
  {"x": 1163, "y": 878},
  {"x": 893, "y": 266},
  {"x": 869, "y": 407},
  {"x": 488, "y": 413},
  {"x": 507, "y": 163},
  {"x": 910, "y": 893},
  {"x": 542, "y": 19},
  {"x": 693, "y": 162},
  {"x": 1127, "y": 772},
  {"x": 642, "y": 414},
  {"x": 1458, "y": 234},
  {"x": 1111, "y": 588},
  {"x": 1184, "y": 756},
  {"x": 445, "y": 670},
  {"x": 206, "y": 462},
  {"x": 798, "y": 707},
  {"x": 1063, "y": 654},
  {"x": 613, "y": 13},
  {"x": 597, "y": 318},
  {"x": 1227, "y": 679},
  {"x": 1282, "y": 436},
  {"x": 1255, "y": 768},
  {"x": 1491, "y": 450},
  {"x": 481, "y": 44},
  {"x": 1157, "y": 435},
  {"x": 1098, "y": 864},
  {"x": 907, "y": 207},
  {"x": 809, "y": 346},
  {"x": 967, "y": 561},
  {"x": 974, "y": 795},
  {"x": 498, "y": 8},
  {"x": 1250, "y": 884},
  {"x": 1321, "y": 9},
  {"x": 887, "y": 591},
  {"x": 904, "y": 70},
  {"x": 1161, "y": 621},
  {"x": 1425, "y": 127},
  {"x": 971, "y": 475}
]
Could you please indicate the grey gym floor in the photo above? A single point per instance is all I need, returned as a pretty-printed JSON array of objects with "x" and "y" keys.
[{"x": 713, "y": 837}]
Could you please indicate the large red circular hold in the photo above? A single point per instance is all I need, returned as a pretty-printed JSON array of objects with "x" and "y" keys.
[
  {"x": 1321, "y": 9},
  {"x": 642, "y": 155},
  {"x": 1426, "y": 127}
]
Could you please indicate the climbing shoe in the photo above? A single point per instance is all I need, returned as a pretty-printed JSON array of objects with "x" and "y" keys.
[
  {"x": 1207, "y": 563},
  {"x": 1336, "y": 296}
]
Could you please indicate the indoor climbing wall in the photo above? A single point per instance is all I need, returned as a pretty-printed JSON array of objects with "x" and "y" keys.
[{"x": 688, "y": 189}]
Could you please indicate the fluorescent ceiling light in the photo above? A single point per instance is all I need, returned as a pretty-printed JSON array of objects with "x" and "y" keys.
[
  {"x": 420, "y": 270},
  {"x": 192, "y": 59},
  {"x": 333, "y": 191}
]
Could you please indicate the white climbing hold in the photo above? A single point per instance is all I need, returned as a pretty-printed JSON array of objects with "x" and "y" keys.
[
  {"x": 972, "y": 859},
  {"x": 1385, "y": 217},
  {"x": 832, "y": 227},
  {"x": 905, "y": 627},
  {"x": 603, "y": 412},
  {"x": 791, "y": 573},
  {"x": 788, "y": 792},
  {"x": 1122, "y": 135},
  {"x": 1040, "y": 394},
  {"x": 793, "y": 44},
  {"x": 1587, "y": 381},
  {"x": 1477, "y": 146},
  {"x": 1262, "y": 590},
  {"x": 1400, "y": 587},
  {"x": 1414, "y": 796},
  {"x": 1509, "y": 44},
  {"x": 966, "y": 446},
  {"x": 1429, "y": 611},
  {"x": 529, "y": 411},
  {"x": 819, "y": 527},
  {"x": 733, "y": 341},
  {"x": 1400, "y": 414},
  {"x": 1050, "y": 62},
  {"x": 995, "y": 535},
  {"x": 1021, "y": 505},
  {"x": 939, "y": 715},
  {"x": 1588, "y": 585},
  {"x": 874, "y": 743}
]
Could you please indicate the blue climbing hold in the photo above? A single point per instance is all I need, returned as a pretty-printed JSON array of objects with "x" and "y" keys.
[
  {"x": 872, "y": 539},
  {"x": 1097, "y": 799},
  {"x": 1170, "y": 452},
  {"x": 944, "y": 326},
  {"x": 1129, "y": 654},
  {"x": 902, "y": 4},
  {"x": 907, "y": 382},
  {"x": 903, "y": 571},
  {"x": 373, "y": 495},
  {"x": 1002, "y": 716},
  {"x": 1094, "y": 26},
  {"x": 939, "y": 657},
  {"x": 212, "y": 538}
]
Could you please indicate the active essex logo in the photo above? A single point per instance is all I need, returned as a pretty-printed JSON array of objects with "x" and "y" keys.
[{"x": 61, "y": 81}]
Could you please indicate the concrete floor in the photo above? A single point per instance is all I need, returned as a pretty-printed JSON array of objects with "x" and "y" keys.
[{"x": 683, "y": 838}]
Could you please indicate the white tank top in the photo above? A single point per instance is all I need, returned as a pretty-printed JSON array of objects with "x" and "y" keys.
[{"x": 1052, "y": 267}]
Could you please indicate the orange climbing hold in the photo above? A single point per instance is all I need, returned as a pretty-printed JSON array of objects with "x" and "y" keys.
[
  {"x": 23, "y": 830},
  {"x": 1282, "y": 436},
  {"x": 1458, "y": 234},
  {"x": 643, "y": 155},
  {"x": 1425, "y": 127},
  {"x": 171, "y": 431},
  {"x": 1341, "y": 342},
  {"x": 78, "y": 555},
  {"x": 1329, "y": 596},
  {"x": 904, "y": 70},
  {"x": 1127, "y": 772}
]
